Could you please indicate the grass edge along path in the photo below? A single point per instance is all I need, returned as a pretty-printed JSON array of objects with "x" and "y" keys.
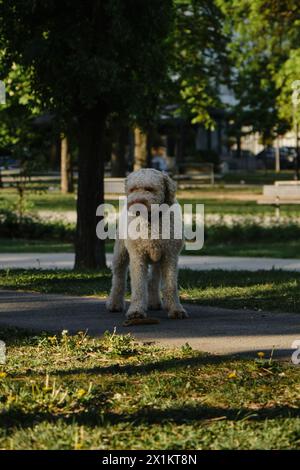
[{"x": 273, "y": 290}]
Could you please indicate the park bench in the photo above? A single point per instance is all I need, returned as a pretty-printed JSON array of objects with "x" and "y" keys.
[
  {"x": 282, "y": 192},
  {"x": 114, "y": 186},
  {"x": 11, "y": 178},
  {"x": 193, "y": 173}
]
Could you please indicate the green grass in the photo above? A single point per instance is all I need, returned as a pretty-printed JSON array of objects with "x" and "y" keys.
[
  {"x": 258, "y": 177},
  {"x": 34, "y": 246},
  {"x": 290, "y": 249},
  {"x": 59, "y": 203},
  {"x": 265, "y": 249},
  {"x": 63, "y": 392},
  {"x": 239, "y": 207},
  {"x": 264, "y": 290},
  {"x": 56, "y": 202},
  {"x": 41, "y": 200},
  {"x": 20, "y": 245}
]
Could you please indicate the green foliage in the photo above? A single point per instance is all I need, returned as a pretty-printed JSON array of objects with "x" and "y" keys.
[
  {"x": 32, "y": 227},
  {"x": 19, "y": 135},
  {"x": 120, "y": 345},
  {"x": 288, "y": 74},
  {"x": 88, "y": 61},
  {"x": 263, "y": 49},
  {"x": 83, "y": 55},
  {"x": 199, "y": 58},
  {"x": 240, "y": 232}
]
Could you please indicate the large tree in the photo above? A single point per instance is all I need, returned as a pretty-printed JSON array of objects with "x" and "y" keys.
[
  {"x": 90, "y": 59},
  {"x": 199, "y": 58},
  {"x": 18, "y": 131},
  {"x": 264, "y": 43}
]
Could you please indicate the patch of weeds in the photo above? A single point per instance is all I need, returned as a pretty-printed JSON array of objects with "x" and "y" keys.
[{"x": 120, "y": 345}]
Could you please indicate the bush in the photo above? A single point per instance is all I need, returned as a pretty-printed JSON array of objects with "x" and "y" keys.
[
  {"x": 250, "y": 233},
  {"x": 33, "y": 228},
  {"x": 228, "y": 229},
  {"x": 251, "y": 230}
]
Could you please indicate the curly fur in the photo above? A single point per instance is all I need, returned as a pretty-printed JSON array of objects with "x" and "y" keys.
[{"x": 147, "y": 186}]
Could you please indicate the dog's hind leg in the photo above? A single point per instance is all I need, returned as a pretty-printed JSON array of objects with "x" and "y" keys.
[
  {"x": 115, "y": 302},
  {"x": 154, "y": 282}
]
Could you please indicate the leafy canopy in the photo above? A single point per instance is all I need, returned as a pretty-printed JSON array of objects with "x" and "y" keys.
[{"x": 94, "y": 54}]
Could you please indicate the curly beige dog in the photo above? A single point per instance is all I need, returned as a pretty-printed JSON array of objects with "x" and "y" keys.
[{"x": 147, "y": 187}]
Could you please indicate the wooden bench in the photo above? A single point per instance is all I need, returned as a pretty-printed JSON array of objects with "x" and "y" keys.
[
  {"x": 114, "y": 186},
  {"x": 282, "y": 192},
  {"x": 191, "y": 173}
]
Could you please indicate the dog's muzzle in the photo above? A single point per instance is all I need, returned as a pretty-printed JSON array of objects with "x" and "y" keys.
[{"x": 144, "y": 202}]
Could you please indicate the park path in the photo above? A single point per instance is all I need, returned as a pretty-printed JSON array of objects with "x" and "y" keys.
[
  {"x": 200, "y": 263},
  {"x": 209, "y": 329}
]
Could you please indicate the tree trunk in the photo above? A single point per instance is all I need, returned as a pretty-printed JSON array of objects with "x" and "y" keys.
[
  {"x": 140, "y": 149},
  {"x": 66, "y": 171},
  {"x": 118, "y": 163},
  {"x": 89, "y": 250}
]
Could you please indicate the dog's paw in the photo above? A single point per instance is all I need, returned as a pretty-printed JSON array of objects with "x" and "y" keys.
[
  {"x": 155, "y": 305},
  {"x": 115, "y": 306},
  {"x": 135, "y": 313},
  {"x": 178, "y": 313}
]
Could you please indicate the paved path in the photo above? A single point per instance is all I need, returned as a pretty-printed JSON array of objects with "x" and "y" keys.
[
  {"x": 66, "y": 261},
  {"x": 213, "y": 330}
]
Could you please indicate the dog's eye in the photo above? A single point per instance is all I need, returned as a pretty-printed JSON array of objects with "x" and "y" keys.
[{"x": 147, "y": 188}]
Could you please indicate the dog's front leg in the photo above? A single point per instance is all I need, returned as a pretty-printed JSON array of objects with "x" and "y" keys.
[
  {"x": 139, "y": 294},
  {"x": 171, "y": 300},
  {"x": 115, "y": 302}
]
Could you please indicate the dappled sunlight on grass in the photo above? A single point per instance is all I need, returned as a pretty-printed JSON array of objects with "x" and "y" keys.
[
  {"x": 265, "y": 290},
  {"x": 75, "y": 392}
]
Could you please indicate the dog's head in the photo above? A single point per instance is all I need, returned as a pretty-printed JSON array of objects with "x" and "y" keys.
[{"x": 149, "y": 186}]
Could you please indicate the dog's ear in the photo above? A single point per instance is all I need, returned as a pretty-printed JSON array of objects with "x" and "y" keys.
[{"x": 170, "y": 189}]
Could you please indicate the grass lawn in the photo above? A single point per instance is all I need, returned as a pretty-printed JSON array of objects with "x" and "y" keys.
[
  {"x": 217, "y": 200},
  {"x": 41, "y": 200},
  {"x": 258, "y": 177},
  {"x": 264, "y": 249},
  {"x": 62, "y": 392},
  {"x": 290, "y": 249},
  {"x": 58, "y": 204},
  {"x": 17, "y": 245},
  {"x": 239, "y": 207},
  {"x": 264, "y": 290},
  {"x": 76, "y": 392}
]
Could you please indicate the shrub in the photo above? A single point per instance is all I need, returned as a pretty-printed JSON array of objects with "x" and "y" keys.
[
  {"x": 249, "y": 229},
  {"x": 32, "y": 227}
]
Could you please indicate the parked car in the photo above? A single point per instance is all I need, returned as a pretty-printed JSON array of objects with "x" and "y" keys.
[{"x": 288, "y": 157}]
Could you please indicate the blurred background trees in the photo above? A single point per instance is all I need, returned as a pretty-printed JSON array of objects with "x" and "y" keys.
[
  {"x": 100, "y": 84},
  {"x": 88, "y": 60}
]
